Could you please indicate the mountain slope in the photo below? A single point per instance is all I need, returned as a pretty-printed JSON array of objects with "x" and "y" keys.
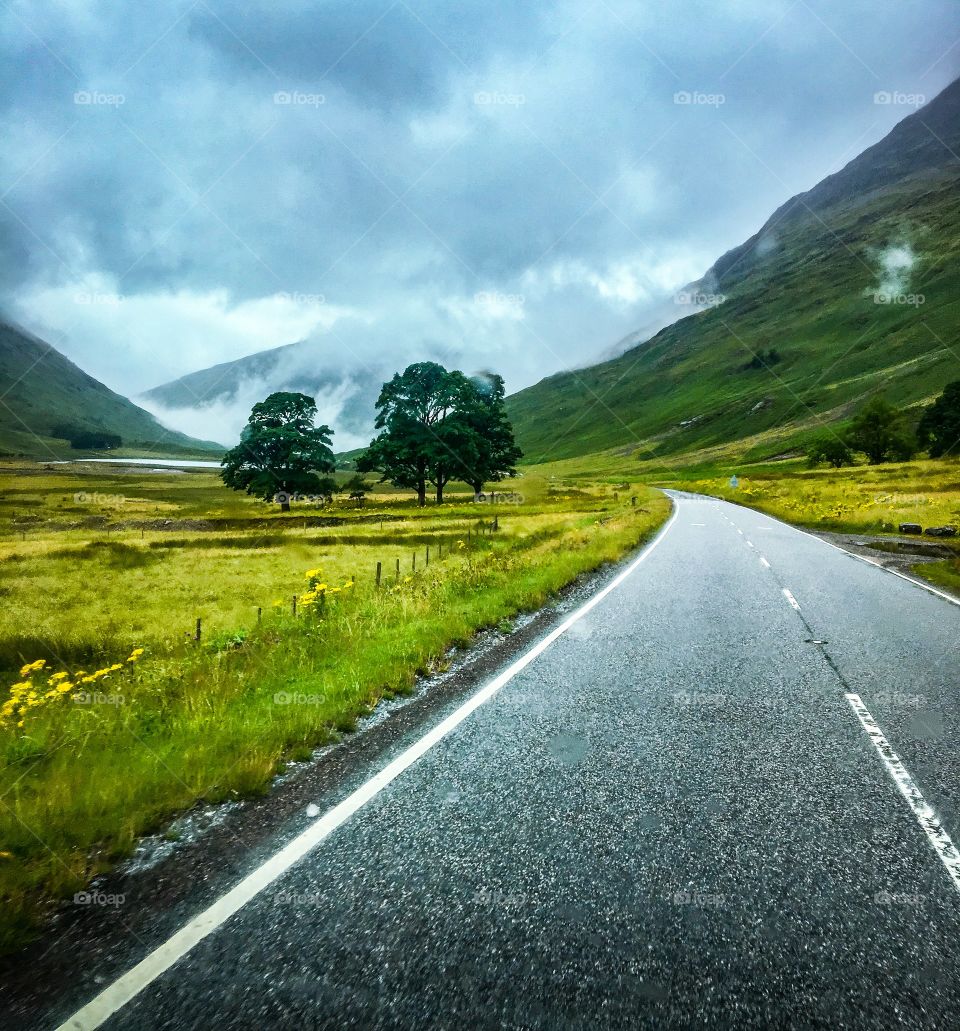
[
  {"x": 854, "y": 285},
  {"x": 225, "y": 393},
  {"x": 41, "y": 389}
]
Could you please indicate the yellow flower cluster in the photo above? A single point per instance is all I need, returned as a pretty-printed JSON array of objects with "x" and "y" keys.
[
  {"x": 318, "y": 588},
  {"x": 25, "y": 695}
]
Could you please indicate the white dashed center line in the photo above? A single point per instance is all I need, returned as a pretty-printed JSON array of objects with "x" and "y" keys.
[
  {"x": 790, "y": 598},
  {"x": 764, "y": 562},
  {"x": 926, "y": 817}
]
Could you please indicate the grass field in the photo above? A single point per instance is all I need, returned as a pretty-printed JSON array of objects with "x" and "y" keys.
[{"x": 101, "y": 742}]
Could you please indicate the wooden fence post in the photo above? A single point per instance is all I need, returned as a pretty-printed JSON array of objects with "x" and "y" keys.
[
  {"x": 293, "y": 606},
  {"x": 428, "y": 554},
  {"x": 378, "y": 574},
  {"x": 398, "y": 569},
  {"x": 259, "y": 614},
  {"x": 197, "y": 635}
]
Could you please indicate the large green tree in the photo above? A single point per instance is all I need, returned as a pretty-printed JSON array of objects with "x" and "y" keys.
[
  {"x": 495, "y": 453},
  {"x": 437, "y": 426},
  {"x": 940, "y": 426},
  {"x": 414, "y": 445},
  {"x": 881, "y": 432},
  {"x": 281, "y": 452}
]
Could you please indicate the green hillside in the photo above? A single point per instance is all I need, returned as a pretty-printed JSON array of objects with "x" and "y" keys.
[
  {"x": 40, "y": 390},
  {"x": 804, "y": 288}
]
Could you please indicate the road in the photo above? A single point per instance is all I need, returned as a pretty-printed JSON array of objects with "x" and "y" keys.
[{"x": 684, "y": 810}]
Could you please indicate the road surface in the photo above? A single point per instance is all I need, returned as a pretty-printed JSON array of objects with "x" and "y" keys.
[{"x": 726, "y": 795}]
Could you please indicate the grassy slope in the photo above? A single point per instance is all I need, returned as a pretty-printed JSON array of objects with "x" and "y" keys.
[
  {"x": 811, "y": 298},
  {"x": 837, "y": 345},
  {"x": 41, "y": 388},
  {"x": 80, "y": 782}
]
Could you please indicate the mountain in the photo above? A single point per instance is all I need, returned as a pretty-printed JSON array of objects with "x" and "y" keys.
[
  {"x": 850, "y": 288},
  {"x": 41, "y": 390},
  {"x": 223, "y": 395}
]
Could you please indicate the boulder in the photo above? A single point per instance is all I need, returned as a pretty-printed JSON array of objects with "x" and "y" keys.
[
  {"x": 911, "y": 528},
  {"x": 941, "y": 531}
]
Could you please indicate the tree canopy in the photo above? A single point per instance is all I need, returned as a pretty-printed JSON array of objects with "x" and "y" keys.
[
  {"x": 940, "y": 426},
  {"x": 281, "y": 452},
  {"x": 831, "y": 449},
  {"x": 880, "y": 431},
  {"x": 437, "y": 425}
]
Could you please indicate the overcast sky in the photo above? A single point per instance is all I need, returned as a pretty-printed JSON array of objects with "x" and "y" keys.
[{"x": 507, "y": 184}]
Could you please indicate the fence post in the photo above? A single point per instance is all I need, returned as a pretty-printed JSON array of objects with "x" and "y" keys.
[
  {"x": 496, "y": 522},
  {"x": 428, "y": 554},
  {"x": 259, "y": 614},
  {"x": 378, "y": 574},
  {"x": 414, "y": 566},
  {"x": 197, "y": 635},
  {"x": 294, "y": 605},
  {"x": 398, "y": 569}
]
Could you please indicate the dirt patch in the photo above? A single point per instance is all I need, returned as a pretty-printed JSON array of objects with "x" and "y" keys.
[{"x": 892, "y": 552}]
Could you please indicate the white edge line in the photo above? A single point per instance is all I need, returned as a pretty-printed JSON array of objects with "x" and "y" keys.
[
  {"x": 926, "y": 817},
  {"x": 790, "y": 598},
  {"x": 130, "y": 984},
  {"x": 923, "y": 585}
]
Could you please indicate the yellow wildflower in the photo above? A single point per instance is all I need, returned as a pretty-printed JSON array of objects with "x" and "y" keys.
[{"x": 31, "y": 666}]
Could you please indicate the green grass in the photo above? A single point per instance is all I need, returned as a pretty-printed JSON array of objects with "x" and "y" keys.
[
  {"x": 812, "y": 302},
  {"x": 945, "y": 574},
  {"x": 187, "y": 723},
  {"x": 858, "y": 499}
]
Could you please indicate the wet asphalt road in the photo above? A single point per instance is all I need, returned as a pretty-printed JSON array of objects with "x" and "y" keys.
[{"x": 671, "y": 818}]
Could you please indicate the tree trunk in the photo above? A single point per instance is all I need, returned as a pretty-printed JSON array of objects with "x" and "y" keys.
[
  {"x": 422, "y": 493},
  {"x": 440, "y": 492},
  {"x": 285, "y": 505},
  {"x": 477, "y": 487}
]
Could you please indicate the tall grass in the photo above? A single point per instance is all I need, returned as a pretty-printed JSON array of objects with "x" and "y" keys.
[{"x": 81, "y": 780}]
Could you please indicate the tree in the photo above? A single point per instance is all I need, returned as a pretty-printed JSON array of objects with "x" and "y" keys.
[
  {"x": 879, "y": 430},
  {"x": 281, "y": 453},
  {"x": 356, "y": 489},
  {"x": 84, "y": 439},
  {"x": 940, "y": 426},
  {"x": 495, "y": 452},
  {"x": 831, "y": 449},
  {"x": 413, "y": 446}
]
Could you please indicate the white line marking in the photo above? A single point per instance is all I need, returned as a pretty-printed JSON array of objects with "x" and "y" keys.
[
  {"x": 130, "y": 984},
  {"x": 923, "y": 585},
  {"x": 749, "y": 544},
  {"x": 764, "y": 562},
  {"x": 926, "y": 817},
  {"x": 739, "y": 531},
  {"x": 790, "y": 598}
]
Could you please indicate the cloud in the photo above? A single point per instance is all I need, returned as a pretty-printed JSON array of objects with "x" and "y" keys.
[
  {"x": 431, "y": 165},
  {"x": 896, "y": 263}
]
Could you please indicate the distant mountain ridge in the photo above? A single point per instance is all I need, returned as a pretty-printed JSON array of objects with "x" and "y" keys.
[
  {"x": 303, "y": 367},
  {"x": 849, "y": 288},
  {"x": 41, "y": 389}
]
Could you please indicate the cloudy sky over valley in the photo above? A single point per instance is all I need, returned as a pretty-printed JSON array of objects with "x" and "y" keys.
[{"x": 509, "y": 185}]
